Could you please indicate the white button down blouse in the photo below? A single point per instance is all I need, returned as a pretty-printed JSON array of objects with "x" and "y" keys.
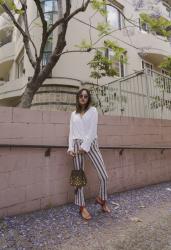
[{"x": 83, "y": 127}]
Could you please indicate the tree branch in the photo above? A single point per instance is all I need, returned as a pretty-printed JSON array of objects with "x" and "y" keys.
[
  {"x": 81, "y": 9},
  {"x": 25, "y": 18},
  {"x": 61, "y": 42},
  {"x": 42, "y": 16},
  {"x": 66, "y": 17},
  {"x": 44, "y": 34},
  {"x": 25, "y": 36}
]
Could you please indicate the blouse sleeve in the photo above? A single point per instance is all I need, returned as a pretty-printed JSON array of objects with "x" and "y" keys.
[
  {"x": 91, "y": 132},
  {"x": 70, "y": 148}
]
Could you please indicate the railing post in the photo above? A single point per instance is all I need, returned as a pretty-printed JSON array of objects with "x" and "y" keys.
[
  {"x": 147, "y": 95},
  {"x": 120, "y": 98}
]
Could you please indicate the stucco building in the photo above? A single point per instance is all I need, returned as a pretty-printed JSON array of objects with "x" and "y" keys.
[{"x": 130, "y": 92}]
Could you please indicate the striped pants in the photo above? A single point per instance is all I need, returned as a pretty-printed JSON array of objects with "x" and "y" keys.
[{"x": 97, "y": 160}]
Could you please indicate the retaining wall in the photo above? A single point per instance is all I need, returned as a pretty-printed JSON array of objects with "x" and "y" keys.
[{"x": 30, "y": 180}]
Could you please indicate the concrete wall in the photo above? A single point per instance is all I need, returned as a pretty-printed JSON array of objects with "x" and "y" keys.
[{"x": 29, "y": 180}]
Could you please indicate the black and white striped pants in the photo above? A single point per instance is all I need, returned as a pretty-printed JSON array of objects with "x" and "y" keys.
[{"x": 97, "y": 160}]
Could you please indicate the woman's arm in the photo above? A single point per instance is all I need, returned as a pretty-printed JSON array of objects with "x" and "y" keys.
[
  {"x": 92, "y": 129},
  {"x": 71, "y": 148}
]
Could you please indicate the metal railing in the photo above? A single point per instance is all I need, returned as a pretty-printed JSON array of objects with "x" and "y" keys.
[
  {"x": 121, "y": 148},
  {"x": 146, "y": 93}
]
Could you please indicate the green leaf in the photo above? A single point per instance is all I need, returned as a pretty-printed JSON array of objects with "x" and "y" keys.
[
  {"x": 166, "y": 64},
  {"x": 116, "y": 49},
  {"x": 103, "y": 28},
  {"x": 159, "y": 24},
  {"x": 101, "y": 66},
  {"x": 100, "y": 6},
  {"x": 11, "y": 5},
  {"x": 84, "y": 45}
]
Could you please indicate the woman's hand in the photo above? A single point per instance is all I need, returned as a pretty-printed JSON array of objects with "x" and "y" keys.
[
  {"x": 71, "y": 153},
  {"x": 81, "y": 150}
]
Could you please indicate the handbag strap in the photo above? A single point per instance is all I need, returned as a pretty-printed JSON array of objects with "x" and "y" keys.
[
  {"x": 76, "y": 189},
  {"x": 81, "y": 163}
]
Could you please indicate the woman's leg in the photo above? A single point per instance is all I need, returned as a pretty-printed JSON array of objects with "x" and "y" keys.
[
  {"x": 96, "y": 157},
  {"x": 78, "y": 163}
]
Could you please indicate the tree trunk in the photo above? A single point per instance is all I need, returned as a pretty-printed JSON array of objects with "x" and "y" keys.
[{"x": 28, "y": 95}]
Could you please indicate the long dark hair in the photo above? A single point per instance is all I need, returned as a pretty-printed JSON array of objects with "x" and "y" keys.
[{"x": 88, "y": 104}]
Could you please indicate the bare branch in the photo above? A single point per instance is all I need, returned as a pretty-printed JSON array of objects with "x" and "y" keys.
[
  {"x": 81, "y": 9},
  {"x": 78, "y": 51},
  {"x": 25, "y": 18},
  {"x": 61, "y": 42},
  {"x": 25, "y": 36},
  {"x": 66, "y": 17},
  {"x": 10, "y": 14},
  {"x": 56, "y": 24},
  {"x": 42, "y": 16},
  {"x": 68, "y": 8},
  {"x": 44, "y": 34}
]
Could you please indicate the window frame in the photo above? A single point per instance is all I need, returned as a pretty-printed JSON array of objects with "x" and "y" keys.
[
  {"x": 52, "y": 12},
  {"x": 146, "y": 30},
  {"x": 144, "y": 62},
  {"x": 168, "y": 7},
  {"x": 121, "y": 67},
  {"x": 120, "y": 21},
  {"x": 165, "y": 72}
]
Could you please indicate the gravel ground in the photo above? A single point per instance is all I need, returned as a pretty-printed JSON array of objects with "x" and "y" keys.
[{"x": 63, "y": 228}]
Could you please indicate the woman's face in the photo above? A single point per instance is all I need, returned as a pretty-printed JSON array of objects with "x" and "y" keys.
[{"x": 83, "y": 98}]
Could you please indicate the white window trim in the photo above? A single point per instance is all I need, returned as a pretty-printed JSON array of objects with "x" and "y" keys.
[
  {"x": 120, "y": 17},
  {"x": 150, "y": 64},
  {"x": 18, "y": 61},
  {"x": 120, "y": 65}
]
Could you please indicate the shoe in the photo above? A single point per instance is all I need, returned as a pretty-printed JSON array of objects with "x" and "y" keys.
[
  {"x": 103, "y": 204},
  {"x": 83, "y": 216}
]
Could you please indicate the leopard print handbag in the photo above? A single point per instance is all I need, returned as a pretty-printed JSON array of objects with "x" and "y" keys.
[{"x": 78, "y": 178}]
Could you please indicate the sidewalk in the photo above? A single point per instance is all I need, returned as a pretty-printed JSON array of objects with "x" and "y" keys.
[{"x": 140, "y": 220}]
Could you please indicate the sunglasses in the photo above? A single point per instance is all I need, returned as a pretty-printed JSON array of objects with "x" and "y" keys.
[{"x": 85, "y": 96}]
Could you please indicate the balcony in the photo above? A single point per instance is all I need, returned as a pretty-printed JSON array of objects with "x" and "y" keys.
[
  {"x": 6, "y": 31},
  {"x": 6, "y": 56},
  {"x": 12, "y": 89},
  {"x": 5, "y": 21},
  {"x": 145, "y": 94},
  {"x": 153, "y": 48}
]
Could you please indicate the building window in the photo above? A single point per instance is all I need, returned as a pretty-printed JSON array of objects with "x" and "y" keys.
[
  {"x": 47, "y": 52},
  {"x": 20, "y": 66},
  {"x": 114, "y": 17},
  {"x": 165, "y": 72},
  {"x": 148, "y": 67},
  {"x": 49, "y": 7},
  {"x": 117, "y": 65},
  {"x": 143, "y": 26},
  {"x": 167, "y": 9}
]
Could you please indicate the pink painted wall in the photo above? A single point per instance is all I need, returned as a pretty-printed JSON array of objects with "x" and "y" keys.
[{"x": 30, "y": 181}]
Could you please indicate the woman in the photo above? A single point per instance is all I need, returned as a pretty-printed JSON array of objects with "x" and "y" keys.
[{"x": 83, "y": 140}]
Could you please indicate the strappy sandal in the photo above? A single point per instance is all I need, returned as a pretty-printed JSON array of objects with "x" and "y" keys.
[
  {"x": 81, "y": 210},
  {"x": 103, "y": 204}
]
